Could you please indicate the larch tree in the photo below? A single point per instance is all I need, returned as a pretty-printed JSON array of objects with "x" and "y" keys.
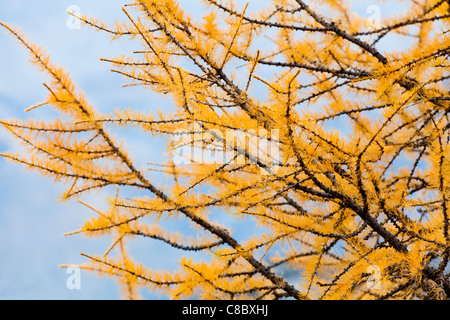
[{"x": 301, "y": 118}]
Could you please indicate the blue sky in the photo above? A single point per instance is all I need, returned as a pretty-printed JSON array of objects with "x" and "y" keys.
[
  {"x": 32, "y": 222},
  {"x": 32, "y": 245}
]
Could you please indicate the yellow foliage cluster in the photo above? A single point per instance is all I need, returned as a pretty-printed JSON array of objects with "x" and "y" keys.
[{"x": 357, "y": 203}]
